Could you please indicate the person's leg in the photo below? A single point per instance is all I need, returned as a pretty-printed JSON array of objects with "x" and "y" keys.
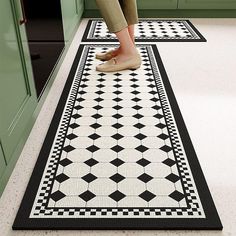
[
  {"x": 127, "y": 47},
  {"x": 131, "y": 29},
  {"x": 128, "y": 56},
  {"x": 130, "y": 11},
  {"x": 112, "y": 12}
]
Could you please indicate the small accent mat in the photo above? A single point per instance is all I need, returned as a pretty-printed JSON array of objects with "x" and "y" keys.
[
  {"x": 147, "y": 30},
  {"x": 117, "y": 155}
]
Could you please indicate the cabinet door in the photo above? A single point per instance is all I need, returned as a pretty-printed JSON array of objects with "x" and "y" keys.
[
  {"x": 157, "y": 4},
  {"x": 17, "y": 91},
  {"x": 142, "y": 4},
  {"x": 71, "y": 13},
  {"x": 207, "y": 4},
  {"x": 2, "y": 162}
]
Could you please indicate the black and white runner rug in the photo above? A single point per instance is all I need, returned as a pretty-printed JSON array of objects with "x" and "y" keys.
[
  {"x": 117, "y": 155},
  {"x": 147, "y": 30}
]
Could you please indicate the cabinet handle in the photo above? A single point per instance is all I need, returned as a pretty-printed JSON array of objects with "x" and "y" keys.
[{"x": 24, "y": 20}]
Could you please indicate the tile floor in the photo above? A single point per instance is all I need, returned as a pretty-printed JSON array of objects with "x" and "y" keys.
[{"x": 202, "y": 77}]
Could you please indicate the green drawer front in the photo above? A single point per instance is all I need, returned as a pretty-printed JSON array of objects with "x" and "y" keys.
[
  {"x": 207, "y": 4},
  {"x": 142, "y": 4},
  {"x": 2, "y": 162},
  {"x": 157, "y": 4}
]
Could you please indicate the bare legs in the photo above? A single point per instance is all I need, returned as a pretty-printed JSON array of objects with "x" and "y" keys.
[{"x": 127, "y": 44}]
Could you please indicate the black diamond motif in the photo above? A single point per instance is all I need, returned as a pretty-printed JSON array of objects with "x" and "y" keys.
[
  {"x": 139, "y": 125},
  {"x": 138, "y": 116},
  {"x": 117, "y": 99},
  {"x": 177, "y": 196},
  {"x": 117, "y": 107},
  {"x": 65, "y": 162},
  {"x": 154, "y": 99},
  {"x": 147, "y": 196},
  {"x": 169, "y": 162},
  {"x": 101, "y": 74},
  {"x": 145, "y": 178},
  {"x": 71, "y": 136},
  {"x": 97, "y": 107},
  {"x": 136, "y": 99},
  {"x": 117, "y": 136},
  {"x": 135, "y": 92},
  {"x": 117, "y": 148},
  {"x": 163, "y": 136},
  {"x": 117, "y": 162},
  {"x": 117, "y": 116},
  {"x": 141, "y": 148},
  {"x": 117, "y": 85},
  {"x": 158, "y": 116},
  {"x": 134, "y": 86},
  {"x": 117, "y": 196},
  {"x": 91, "y": 162},
  {"x": 140, "y": 136},
  {"x": 117, "y": 92},
  {"x": 137, "y": 107},
  {"x": 95, "y": 125},
  {"x": 61, "y": 178},
  {"x": 86, "y": 196},
  {"x": 92, "y": 148},
  {"x": 153, "y": 93},
  {"x": 76, "y": 116},
  {"x": 94, "y": 136},
  {"x": 80, "y": 99},
  {"x": 166, "y": 148},
  {"x": 172, "y": 177},
  {"x": 98, "y": 99},
  {"x": 97, "y": 116},
  {"x": 117, "y": 80},
  {"x": 160, "y": 125},
  {"x": 133, "y": 74},
  {"x": 99, "y": 92},
  {"x": 117, "y": 178},
  {"x": 74, "y": 125},
  {"x": 156, "y": 107},
  {"x": 58, "y": 195},
  {"x": 78, "y": 107},
  {"x": 143, "y": 162},
  {"x": 68, "y": 148},
  {"x": 100, "y": 85},
  {"x": 89, "y": 178},
  {"x": 117, "y": 125}
]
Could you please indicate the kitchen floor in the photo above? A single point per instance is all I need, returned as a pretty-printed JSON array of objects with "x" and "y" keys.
[{"x": 203, "y": 79}]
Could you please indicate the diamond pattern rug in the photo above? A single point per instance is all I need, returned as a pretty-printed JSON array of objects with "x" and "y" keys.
[
  {"x": 147, "y": 30},
  {"x": 117, "y": 155}
]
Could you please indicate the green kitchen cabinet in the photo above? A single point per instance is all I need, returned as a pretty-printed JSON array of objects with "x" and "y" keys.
[
  {"x": 142, "y": 4},
  {"x": 17, "y": 90},
  {"x": 207, "y": 4},
  {"x": 72, "y": 11},
  {"x": 2, "y": 162},
  {"x": 157, "y": 4}
]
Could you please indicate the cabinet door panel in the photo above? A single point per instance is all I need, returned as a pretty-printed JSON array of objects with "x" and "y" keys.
[
  {"x": 142, "y": 4},
  {"x": 71, "y": 13},
  {"x": 17, "y": 91},
  {"x": 157, "y": 4},
  {"x": 2, "y": 162},
  {"x": 207, "y": 4}
]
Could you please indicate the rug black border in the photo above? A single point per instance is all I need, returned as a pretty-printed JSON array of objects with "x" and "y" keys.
[
  {"x": 211, "y": 222},
  {"x": 86, "y": 32}
]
